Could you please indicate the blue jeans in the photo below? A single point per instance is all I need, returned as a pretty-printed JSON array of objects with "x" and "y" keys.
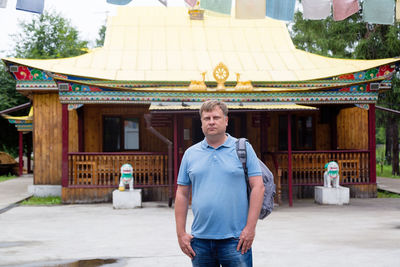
[{"x": 214, "y": 253}]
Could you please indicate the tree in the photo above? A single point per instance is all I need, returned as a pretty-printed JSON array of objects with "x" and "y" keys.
[
  {"x": 102, "y": 36},
  {"x": 354, "y": 38},
  {"x": 48, "y": 36},
  {"x": 9, "y": 98}
]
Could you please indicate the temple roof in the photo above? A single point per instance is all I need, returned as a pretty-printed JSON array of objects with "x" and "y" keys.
[{"x": 163, "y": 44}]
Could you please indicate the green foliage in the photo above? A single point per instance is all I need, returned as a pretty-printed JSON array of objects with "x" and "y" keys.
[
  {"x": 48, "y": 36},
  {"x": 328, "y": 37},
  {"x": 102, "y": 36},
  {"x": 385, "y": 171},
  {"x": 6, "y": 177},
  {"x": 9, "y": 98},
  {"x": 385, "y": 194},
  {"x": 42, "y": 201},
  {"x": 380, "y": 135}
]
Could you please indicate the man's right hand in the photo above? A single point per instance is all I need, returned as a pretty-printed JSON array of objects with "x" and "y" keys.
[{"x": 184, "y": 243}]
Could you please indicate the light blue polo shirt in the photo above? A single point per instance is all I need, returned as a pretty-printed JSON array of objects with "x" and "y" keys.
[{"x": 219, "y": 196}]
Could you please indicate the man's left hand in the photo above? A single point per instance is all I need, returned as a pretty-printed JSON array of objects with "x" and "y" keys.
[{"x": 246, "y": 239}]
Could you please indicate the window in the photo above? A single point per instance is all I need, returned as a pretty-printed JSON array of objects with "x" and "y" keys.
[
  {"x": 302, "y": 132},
  {"x": 120, "y": 134}
]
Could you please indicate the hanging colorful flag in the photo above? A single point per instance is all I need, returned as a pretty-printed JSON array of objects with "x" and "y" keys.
[
  {"x": 344, "y": 8},
  {"x": 164, "y": 2},
  {"x": 119, "y": 2},
  {"x": 397, "y": 10},
  {"x": 378, "y": 11},
  {"x": 35, "y": 6},
  {"x": 316, "y": 9},
  {"x": 280, "y": 9},
  {"x": 191, "y": 3},
  {"x": 3, "y": 3},
  {"x": 250, "y": 9},
  {"x": 221, "y": 6}
]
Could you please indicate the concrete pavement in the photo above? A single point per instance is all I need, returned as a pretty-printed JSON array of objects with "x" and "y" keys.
[
  {"x": 389, "y": 184},
  {"x": 364, "y": 233},
  {"x": 14, "y": 190}
]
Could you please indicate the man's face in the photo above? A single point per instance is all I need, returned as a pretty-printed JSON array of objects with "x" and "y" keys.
[{"x": 213, "y": 122}]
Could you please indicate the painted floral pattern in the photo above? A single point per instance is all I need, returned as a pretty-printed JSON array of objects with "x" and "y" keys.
[
  {"x": 23, "y": 74},
  {"x": 385, "y": 70}
]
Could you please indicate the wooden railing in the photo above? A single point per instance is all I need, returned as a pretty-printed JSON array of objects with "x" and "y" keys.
[
  {"x": 103, "y": 169},
  {"x": 308, "y": 166}
]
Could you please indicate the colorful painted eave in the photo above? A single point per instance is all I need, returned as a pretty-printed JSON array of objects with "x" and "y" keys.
[
  {"x": 22, "y": 123},
  {"x": 157, "y": 45}
]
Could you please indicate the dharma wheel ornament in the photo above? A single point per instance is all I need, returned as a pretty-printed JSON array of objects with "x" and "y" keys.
[{"x": 221, "y": 74}]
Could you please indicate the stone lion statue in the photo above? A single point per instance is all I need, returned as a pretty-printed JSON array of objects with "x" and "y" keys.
[
  {"x": 126, "y": 177},
  {"x": 331, "y": 175}
]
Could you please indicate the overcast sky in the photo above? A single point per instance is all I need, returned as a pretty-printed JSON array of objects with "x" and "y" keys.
[{"x": 86, "y": 15}]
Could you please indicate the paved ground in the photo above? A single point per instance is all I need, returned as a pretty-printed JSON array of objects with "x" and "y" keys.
[
  {"x": 364, "y": 233},
  {"x": 14, "y": 190},
  {"x": 389, "y": 184}
]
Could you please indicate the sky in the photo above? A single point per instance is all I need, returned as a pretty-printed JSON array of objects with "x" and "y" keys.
[{"x": 85, "y": 15}]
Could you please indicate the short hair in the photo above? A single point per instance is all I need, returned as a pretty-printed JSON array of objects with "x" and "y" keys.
[{"x": 210, "y": 105}]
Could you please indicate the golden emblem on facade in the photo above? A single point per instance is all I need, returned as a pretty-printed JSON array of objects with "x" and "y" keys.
[
  {"x": 198, "y": 85},
  {"x": 221, "y": 74},
  {"x": 243, "y": 85}
]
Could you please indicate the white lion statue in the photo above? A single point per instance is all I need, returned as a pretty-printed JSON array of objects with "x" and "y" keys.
[
  {"x": 126, "y": 177},
  {"x": 331, "y": 175}
]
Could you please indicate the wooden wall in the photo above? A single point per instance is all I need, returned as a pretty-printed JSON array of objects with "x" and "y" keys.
[
  {"x": 93, "y": 127},
  {"x": 252, "y": 132},
  {"x": 352, "y": 128},
  {"x": 73, "y": 140},
  {"x": 47, "y": 139}
]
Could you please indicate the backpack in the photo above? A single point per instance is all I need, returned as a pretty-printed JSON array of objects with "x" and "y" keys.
[{"x": 267, "y": 176}]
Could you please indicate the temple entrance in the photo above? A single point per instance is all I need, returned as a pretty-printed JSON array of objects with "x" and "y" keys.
[{"x": 236, "y": 127}]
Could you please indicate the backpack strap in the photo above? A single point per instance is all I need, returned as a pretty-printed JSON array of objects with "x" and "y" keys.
[{"x": 242, "y": 155}]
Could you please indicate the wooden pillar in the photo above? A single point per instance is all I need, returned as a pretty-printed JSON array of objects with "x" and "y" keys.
[
  {"x": 64, "y": 157},
  {"x": 29, "y": 152},
  {"x": 372, "y": 145},
  {"x": 21, "y": 154},
  {"x": 81, "y": 144},
  {"x": 290, "y": 182},
  {"x": 176, "y": 152}
]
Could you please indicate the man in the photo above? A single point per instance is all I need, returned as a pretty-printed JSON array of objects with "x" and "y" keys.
[{"x": 224, "y": 223}]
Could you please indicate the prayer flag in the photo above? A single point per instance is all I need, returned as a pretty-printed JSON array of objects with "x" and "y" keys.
[
  {"x": 221, "y": 6},
  {"x": 379, "y": 11},
  {"x": 164, "y": 2},
  {"x": 35, "y": 6},
  {"x": 250, "y": 9},
  {"x": 280, "y": 9},
  {"x": 3, "y": 3},
  {"x": 119, "y": 2},
  {"x": 398, "y": 10},
  {"x": 191, "y": 3},
  {"x": 316, "y": 9},
  {"x": 344, "y": 8}
]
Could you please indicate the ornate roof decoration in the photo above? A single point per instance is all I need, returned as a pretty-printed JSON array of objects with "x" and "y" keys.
[{"x": 157, "y": 44}]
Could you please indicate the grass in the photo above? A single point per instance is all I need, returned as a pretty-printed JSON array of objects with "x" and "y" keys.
[
  {"x": 385, "y": 194},
  {"x": 6, "y": 177},
  {"x": 385, "y": 171},
  {"x": 42, "y": 201}
]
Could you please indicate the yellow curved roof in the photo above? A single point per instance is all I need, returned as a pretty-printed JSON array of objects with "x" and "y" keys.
[
  {"x": 28, "y": 118},
  {"x": 163, "y": 44}
]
